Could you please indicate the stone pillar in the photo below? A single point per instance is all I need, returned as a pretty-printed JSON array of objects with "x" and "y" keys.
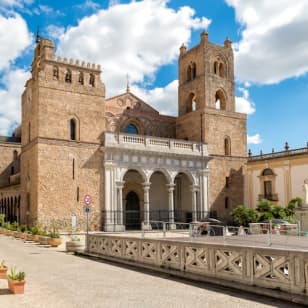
[
  {"x": 146, "y": 202},
  {"x": 171, "y": 205},
  {"x": 204, "y": 204},
  {"x": 194, "y": 190},
  {"x": 109, "y": 217},
  {"x": 119, "y": 223}
]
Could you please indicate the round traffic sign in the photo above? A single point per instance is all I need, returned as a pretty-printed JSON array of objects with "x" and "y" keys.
[{"x": 87, "y": 199}]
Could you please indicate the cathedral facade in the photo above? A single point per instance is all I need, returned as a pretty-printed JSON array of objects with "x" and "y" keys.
[{"x": 138, "y": 165}]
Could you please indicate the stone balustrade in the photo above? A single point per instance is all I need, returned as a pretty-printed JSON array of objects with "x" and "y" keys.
[
  {"x": 149, "y": 143},
  {"x": 280, "y": 273}
]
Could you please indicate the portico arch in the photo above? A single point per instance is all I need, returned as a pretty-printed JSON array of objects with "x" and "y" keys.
[
  {"x": 159, "y": 196},
  {"x": 185, "y": 197},
  {"x": 133, "y": 199}
]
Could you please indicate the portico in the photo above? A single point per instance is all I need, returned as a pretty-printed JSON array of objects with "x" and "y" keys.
[{"x": 150, "y": 178}]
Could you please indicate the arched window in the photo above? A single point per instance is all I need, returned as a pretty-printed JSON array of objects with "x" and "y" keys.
[
  {"x": 267, "y": 171},
  {"x": 80, "y": 78},
  {"x": 92, "y": 80},
  {"x": 131, "y": 129},
  {"x": 189, "y": 73},
  {"x": 68, "y": 76},
  {"x": 15, "y": 155},
  {"x": 55, "y": 72},
  {"x": 193, "y": 70},
  {"x": 220, "y": 100},
  {"x": 215, "y": 67},
  {"x": 227, "y": 146},
  {"x": 73, "y": 129},
  {"x": 191, "y": 104},
  {"x": 221, "y": 70}
]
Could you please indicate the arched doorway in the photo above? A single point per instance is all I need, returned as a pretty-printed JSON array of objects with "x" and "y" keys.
[
  {"x": 132, "y": 211},
  {"x": 183, "y": 198}
]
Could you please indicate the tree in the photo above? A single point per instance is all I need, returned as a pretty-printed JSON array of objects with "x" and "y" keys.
[{"x": 242, "y": 215}]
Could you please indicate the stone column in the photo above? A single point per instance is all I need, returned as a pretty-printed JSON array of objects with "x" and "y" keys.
[
  {"x": 120, "y": 225},
  {"x": 194, "y": 190},
  {"x": 146, "y": 202},
  {"x": 171, "y": 205},
  {"x": 204, "y": 204},
  {"x": 109, "y": 217}
]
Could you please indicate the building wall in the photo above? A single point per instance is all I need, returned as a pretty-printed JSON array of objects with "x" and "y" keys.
[
  {"x": 290, "y": 171},
  {"x": 7, "y": 161}
]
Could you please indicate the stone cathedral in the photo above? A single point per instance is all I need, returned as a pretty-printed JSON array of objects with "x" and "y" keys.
[{"x": 138, "y": 165}]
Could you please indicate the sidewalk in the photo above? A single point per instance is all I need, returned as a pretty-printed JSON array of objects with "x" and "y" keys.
[{"x": 57, "y": 279}]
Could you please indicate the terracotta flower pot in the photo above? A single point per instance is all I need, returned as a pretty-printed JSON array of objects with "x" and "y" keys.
[
  {"x": 54, "y": 242},
  {"x": 35, "y": 237},
  {"x": 16, "y": 286},
  {"x": 3, "y": 271},
  {"x": 43, "y": 240}
]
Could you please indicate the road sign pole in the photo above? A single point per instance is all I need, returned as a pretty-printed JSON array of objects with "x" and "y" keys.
[{"x": 87, "y": 240}]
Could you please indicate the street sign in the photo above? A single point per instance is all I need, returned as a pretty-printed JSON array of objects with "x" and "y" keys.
[
  {"x": 87, "y": 209},
  {"x": 87, "y": 199}
]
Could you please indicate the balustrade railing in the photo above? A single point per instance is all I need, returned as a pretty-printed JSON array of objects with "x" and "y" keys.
[{"x": 112, "y": 139}]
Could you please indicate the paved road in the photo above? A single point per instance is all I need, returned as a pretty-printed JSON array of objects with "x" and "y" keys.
[{"x": 57, "y": 279}]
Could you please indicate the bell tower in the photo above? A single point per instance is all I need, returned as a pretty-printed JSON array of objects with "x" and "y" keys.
[{"x": 206, "y": 103}]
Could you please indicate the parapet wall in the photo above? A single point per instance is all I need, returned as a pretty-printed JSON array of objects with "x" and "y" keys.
[{"x": 280, "y": 273}]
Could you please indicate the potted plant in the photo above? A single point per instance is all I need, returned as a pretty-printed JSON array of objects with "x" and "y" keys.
[
  {"x": 3, "y": 270},
  {"x": 35, "y": 233},
  {"x": 54, "y": 237},
  {"x": 43, "y": 238},
  {"x": 16, "y": 281}
]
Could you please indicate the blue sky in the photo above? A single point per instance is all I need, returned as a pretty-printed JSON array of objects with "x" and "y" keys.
[{"x": 141, "y": 38}]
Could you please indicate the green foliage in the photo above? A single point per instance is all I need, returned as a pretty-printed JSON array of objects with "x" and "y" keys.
[
  {"x": 268, "y": 211},
  {"x": 2, "y": 264},
  {"x": 14, "y": 275},
  {"x": 53, "y": 231},
  {"x": 34, "y": 230},
  {"x": 264, "y": 206},
  {"x": 242, "y": 215},
  {"x": 295, "y": 202},
  {"x": 2, "y": 217}
]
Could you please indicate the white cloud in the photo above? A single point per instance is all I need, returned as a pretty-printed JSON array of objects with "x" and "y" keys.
[
  {"x": 243, "y": 104},
  {"x": 135, "y": 38},
  {"x": 89, "y": 4},
  {"x": 163, "y": 99},
  {"x": 274, "y": 43},
  {"x": 10, "y": 99},
  {"x": 14, "y": 38},
  {"x": 255, "y": 139}
]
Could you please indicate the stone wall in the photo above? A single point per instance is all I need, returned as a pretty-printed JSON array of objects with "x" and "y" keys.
[
  {"x": 7, "y": 161},
  {"x": 259, "y": 270}
]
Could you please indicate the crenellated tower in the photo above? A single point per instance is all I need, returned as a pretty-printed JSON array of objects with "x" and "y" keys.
[
  {"x": 206, "y": 102},
  {"x": 63, "y": 108}
]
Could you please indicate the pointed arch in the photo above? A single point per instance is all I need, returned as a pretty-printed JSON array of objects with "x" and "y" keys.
[
  {"x": 68, "y": 76},
  {"x": 189, "y": 73},
  {"x": 55, "y": 72},
  {"x": 191, "y": 104},
  {"x": 220, "y": 100}
]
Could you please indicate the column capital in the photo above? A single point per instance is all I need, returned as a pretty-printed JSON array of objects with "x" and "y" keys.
[
  {"x": 204, "y": 171},
  {"x": 120, "y": 184},
  {"x": 194, "y": 188},
  {"x": 146, "y": 185},
  {"x": 170, "y": 187}
]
